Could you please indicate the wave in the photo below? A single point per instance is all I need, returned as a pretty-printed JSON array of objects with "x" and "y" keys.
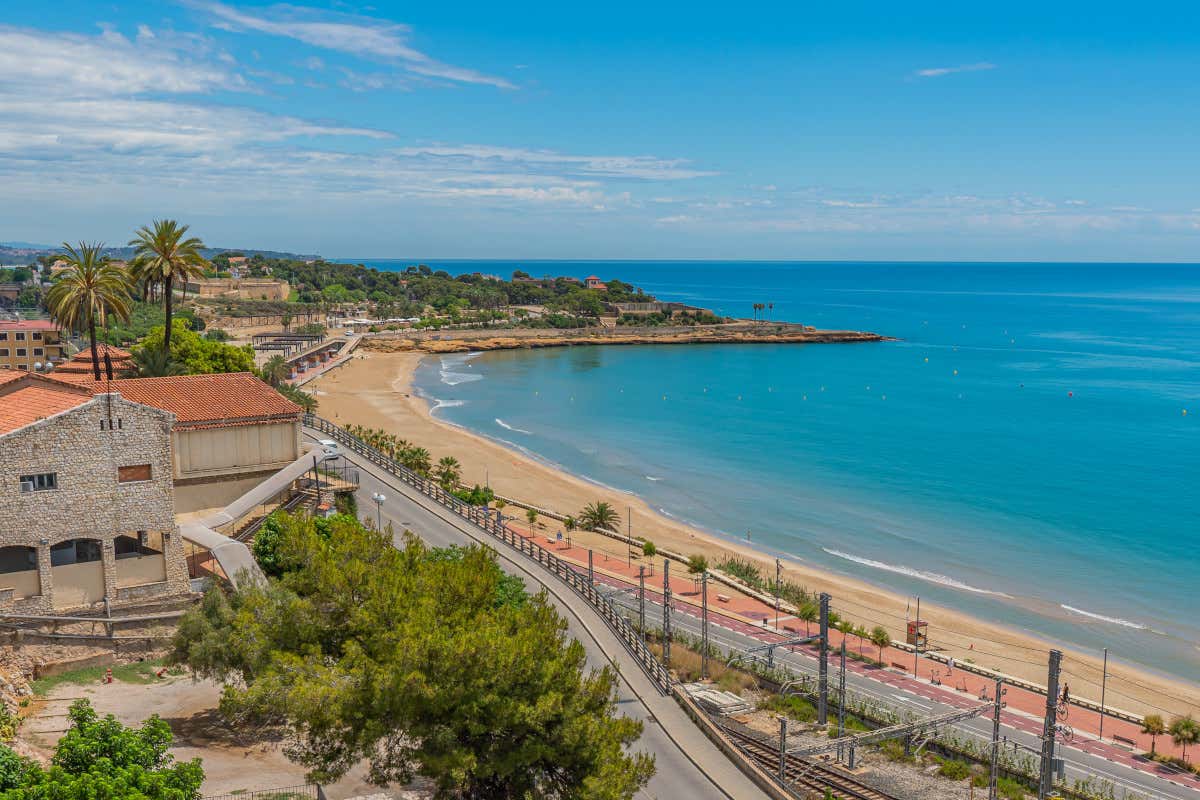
[
  {"x": 931, "y": 577},
  {"x": 1101, "y": 618},
  {"x": 445, "y": 404},
  {"x": 508, "y": 427},
  {"x": 652, "y": 478},
  {"x": 452, "y": 378}
]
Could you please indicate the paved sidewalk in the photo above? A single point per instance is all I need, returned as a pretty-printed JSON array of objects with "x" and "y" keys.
[{"x": 932, "y": 679}]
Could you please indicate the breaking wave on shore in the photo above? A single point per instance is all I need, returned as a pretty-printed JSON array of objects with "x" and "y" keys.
[
  {"x": 931, "y": 577},
  {"x": 508, "y": 427}
]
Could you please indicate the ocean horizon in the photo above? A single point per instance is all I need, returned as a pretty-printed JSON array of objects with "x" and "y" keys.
[{"x": 1023, "y": 452}]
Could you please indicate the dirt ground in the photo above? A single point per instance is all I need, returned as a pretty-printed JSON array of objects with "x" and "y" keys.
[{"x": 232, "y": 763}]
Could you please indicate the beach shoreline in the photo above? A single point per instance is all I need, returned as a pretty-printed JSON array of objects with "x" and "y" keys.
[{"x": 375, "y": 390}]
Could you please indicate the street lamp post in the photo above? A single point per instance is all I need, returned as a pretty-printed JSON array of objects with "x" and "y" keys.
[{"x": 378, "y": 498}]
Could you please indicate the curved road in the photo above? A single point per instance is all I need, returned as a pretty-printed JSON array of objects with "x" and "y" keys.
[{"x": 688, "y": 765}]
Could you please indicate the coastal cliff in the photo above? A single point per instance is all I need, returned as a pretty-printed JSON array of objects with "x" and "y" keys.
[{"x": 461, "y": 341}]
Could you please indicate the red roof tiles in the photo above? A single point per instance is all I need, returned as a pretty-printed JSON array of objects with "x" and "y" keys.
[
  {"x": 29, "y": 325},
  {"x": 25, "y": 398},
  {"x": 202, "y": 400}
]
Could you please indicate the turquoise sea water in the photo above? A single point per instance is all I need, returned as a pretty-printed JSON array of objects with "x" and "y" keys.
[{"x": 1022, "y": 453}]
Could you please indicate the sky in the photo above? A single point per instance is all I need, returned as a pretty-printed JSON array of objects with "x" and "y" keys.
[{"x": 855, "y": 130}]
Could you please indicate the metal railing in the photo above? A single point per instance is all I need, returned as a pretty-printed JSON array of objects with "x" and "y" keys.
[
  {"x": 308, "y": 791},
  {"x": 488, "y": 521}
]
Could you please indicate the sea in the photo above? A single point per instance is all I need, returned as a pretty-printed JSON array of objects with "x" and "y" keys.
[{"x": 1027, "y": 450}]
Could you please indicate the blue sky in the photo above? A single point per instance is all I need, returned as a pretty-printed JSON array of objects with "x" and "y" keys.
[{"x": 1025, "y": 131}]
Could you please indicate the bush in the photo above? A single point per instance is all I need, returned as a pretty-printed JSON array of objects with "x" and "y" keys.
[
  {"x": 476, "y": 495},
  {"x": 648, "y": 548},
  {"x": 792, "y": 706},
  {"x": 955, "y": 770}
]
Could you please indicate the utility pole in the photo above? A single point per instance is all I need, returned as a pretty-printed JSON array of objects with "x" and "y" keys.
[
  {"x": 917, "y": 639},
  {"x": 778, "y": 586},
  {"x": 1103, "y": 688},
  {"x": 995, "y": 767},
  {"x": 823, "y": 665},
  {"x": 642, "y": 600},
  {"x": 628, "y": 536},
  {"x": 842, "y": 698},
  {"x": 704, "y": 625},
  {"x": 1049, "y": 725},
  {"x": 591, "y": 570},
  {"x": 782, "y": 748},
  {"x": 667, "y": 613}
]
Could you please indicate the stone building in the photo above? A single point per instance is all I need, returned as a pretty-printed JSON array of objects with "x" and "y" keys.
[{"x": 87, "y": 514}]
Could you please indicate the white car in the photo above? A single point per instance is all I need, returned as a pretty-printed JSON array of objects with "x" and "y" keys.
[{"x": 331, "y": 450}]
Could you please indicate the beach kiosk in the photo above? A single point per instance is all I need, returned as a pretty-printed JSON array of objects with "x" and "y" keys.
[{"x": 918, "y": 634}]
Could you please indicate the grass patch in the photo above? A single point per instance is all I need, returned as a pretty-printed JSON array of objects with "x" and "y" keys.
[
  {"x": 955, "y": 770},
  {"x": 137, "y": 672},
  {"x": 1007, "y": 788},
  {"x": 792, "y": 706}
]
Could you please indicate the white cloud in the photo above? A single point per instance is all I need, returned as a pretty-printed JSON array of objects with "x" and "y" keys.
[
  {"x": 347, "y": 34},
  {"x": 937, "y": 72},
  {"x": 852, "y": 204},
  {"x": 58, "y": 64},
  {"x": 643, "y": 167}
]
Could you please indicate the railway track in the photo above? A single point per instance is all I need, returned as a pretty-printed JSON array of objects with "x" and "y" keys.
[{"x": 804, "y": 773}]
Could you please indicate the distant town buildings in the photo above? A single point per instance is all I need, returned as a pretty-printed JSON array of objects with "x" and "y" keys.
[
  {"x": 238, "y": 288},
  {"x": 30, "y": 345},
  {"x": 592, "y": 282}
]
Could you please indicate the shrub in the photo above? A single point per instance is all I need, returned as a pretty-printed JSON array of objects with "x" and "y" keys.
[
  {"x": 955, "y": 770},
  {"x": 792, "y": 706},
  {"x": 648, "y": 548}
]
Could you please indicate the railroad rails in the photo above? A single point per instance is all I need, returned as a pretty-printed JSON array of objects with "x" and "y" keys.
[{"x": 802, "y": 774}]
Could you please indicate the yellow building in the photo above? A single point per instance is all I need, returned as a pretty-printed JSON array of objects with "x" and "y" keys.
[{"x": 27, "y": 343}]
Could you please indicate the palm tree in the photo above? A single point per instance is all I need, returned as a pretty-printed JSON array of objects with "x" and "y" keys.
[
  {"x": 276, "y": 370},
  {"x": 156, "y": 363},
  {"x": 881, "y": 639},
  {"x": 449, "y": 471},
  {"x": 862, "y": 633},
  {"x": 598, "y": 515},
  {"x": 162, "y": 256},
  {"x": 1153, "y": 726},
  {"x": 417, "y": 459},
  {"x": 87, "y": 292},
  {"x": 810, "y": 613},
  {"x": 845, "y": 627},
  {"x": 1184, "y": 731},
  {"x": 298, "y": 396}
]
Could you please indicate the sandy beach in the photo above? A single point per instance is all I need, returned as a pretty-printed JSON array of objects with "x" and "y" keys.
[{"x": 374, "y": 390}]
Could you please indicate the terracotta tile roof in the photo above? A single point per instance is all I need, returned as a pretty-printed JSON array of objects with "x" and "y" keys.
[
  {"x": 207, "y": 400},
  {"x": 81, "y": 362},
  {"x": 29, "y": 398},
  {"x": 29, "y": 325}
]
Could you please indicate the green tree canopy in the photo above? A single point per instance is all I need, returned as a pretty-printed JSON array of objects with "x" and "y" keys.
[
  {"x": 198, "y": 355},
  {"x": 368, "y": 651},
  {"x": 101, "y": 758}
]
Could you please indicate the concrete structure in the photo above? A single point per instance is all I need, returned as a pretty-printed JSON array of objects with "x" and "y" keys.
[
  {"x": 87, "y": 517},
  {"x": 27, "y": 343},
  {"x": 672, "y": 310},
  {"x": 240, "y": 289}
]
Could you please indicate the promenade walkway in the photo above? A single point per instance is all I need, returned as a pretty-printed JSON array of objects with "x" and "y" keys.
[{"x": 931, "y": 679}]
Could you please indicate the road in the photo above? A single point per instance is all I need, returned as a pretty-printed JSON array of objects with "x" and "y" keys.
[
  {"x": 688, "y": 765},
  {"x": 901, "y": 692}
]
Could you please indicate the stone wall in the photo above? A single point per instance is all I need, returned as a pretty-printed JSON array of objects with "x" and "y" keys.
[{"x": 84, "y": 447}]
